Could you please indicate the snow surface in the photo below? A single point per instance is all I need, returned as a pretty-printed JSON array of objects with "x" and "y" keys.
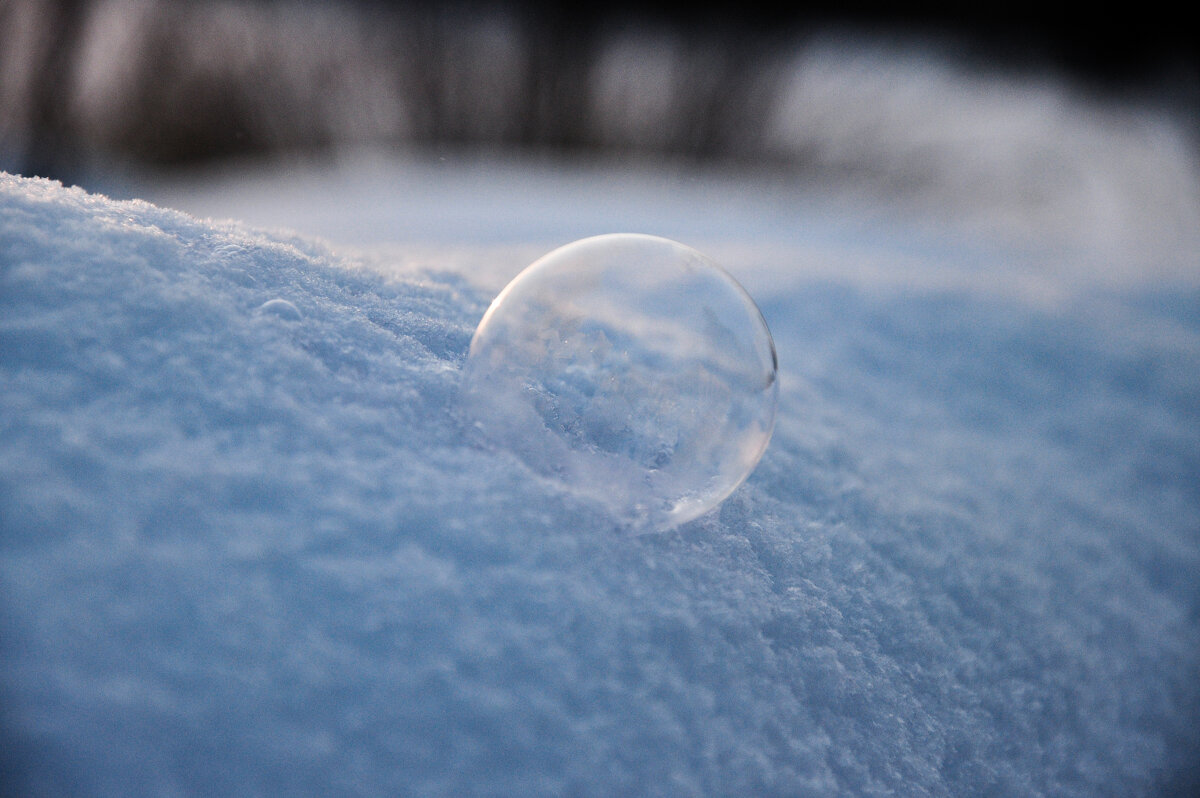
[{"x": 245, "y": 548}]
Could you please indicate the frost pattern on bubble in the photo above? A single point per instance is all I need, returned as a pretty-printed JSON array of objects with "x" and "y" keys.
[{"x": 631, "y": 369}]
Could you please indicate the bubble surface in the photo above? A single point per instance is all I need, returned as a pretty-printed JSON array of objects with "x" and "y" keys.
[
  {"x": 281, "y": 308},
  {"x": 631, "y": 369}
]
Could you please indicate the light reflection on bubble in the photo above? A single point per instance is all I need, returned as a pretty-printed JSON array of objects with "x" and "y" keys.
[{"x": 632, "y": 370}]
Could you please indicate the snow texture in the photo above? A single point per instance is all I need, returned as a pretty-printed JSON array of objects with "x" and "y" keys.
[{"x": 246, "y": 550}]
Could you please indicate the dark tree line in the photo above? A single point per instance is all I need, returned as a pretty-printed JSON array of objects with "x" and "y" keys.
[{"x": 206, "y": 80}]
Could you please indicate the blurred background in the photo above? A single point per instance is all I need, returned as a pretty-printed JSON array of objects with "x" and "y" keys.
[{"x": 1005, "y": 119}]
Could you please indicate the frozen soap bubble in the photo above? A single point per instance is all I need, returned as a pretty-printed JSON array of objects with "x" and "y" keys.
[{"x": 632, "y": 370}]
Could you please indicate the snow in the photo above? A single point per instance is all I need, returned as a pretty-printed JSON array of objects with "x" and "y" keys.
[{"x": 246, "y": 547}]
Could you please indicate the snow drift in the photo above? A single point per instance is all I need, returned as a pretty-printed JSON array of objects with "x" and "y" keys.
[{"x": 245, "y": 548}]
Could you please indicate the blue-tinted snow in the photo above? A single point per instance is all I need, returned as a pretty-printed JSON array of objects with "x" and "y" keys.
[{"x": 248, "y": 551}]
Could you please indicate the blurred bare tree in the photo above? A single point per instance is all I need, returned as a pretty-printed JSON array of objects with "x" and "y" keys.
[{"x": 40, "y": 73}]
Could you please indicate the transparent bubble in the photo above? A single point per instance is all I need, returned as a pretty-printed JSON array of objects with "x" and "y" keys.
[{"x": 632, "y": 370}]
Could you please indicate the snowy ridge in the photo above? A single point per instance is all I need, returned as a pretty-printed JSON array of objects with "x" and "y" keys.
[{"x": 245, "y": 548}]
